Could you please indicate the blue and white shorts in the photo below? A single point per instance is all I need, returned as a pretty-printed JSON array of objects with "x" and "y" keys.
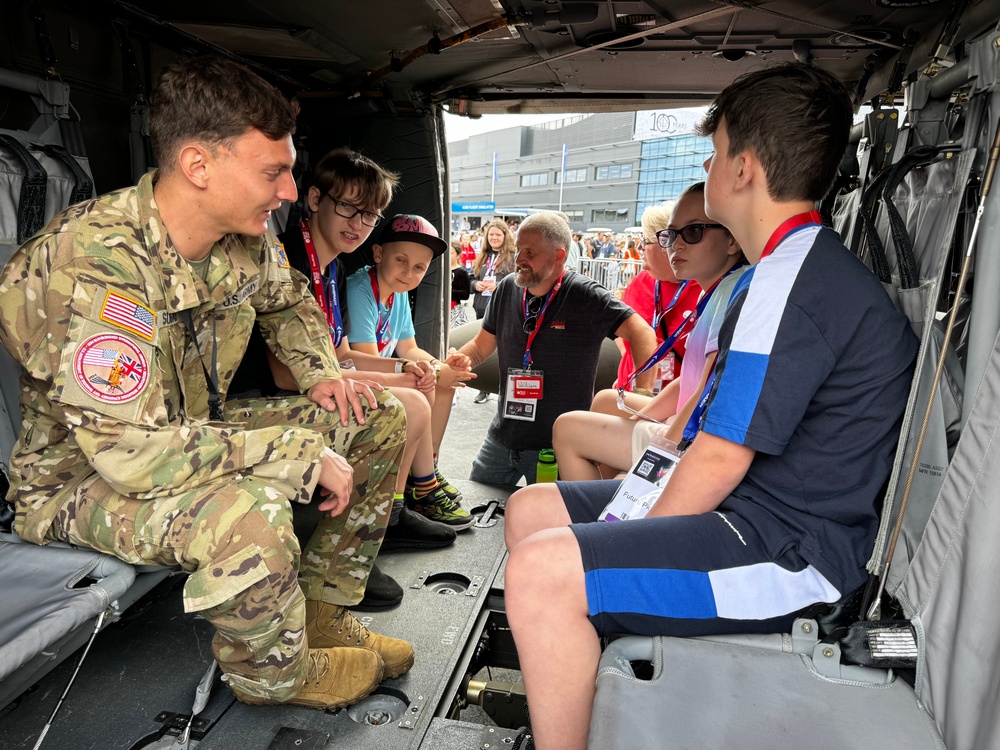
[{"x": 686, "y": 575}]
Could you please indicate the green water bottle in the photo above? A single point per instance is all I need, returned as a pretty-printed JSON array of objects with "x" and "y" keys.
[{"x": 546, "y": 470}]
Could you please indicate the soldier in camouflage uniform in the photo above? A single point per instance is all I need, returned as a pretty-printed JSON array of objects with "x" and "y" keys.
[{"x": 125, "y": 447}]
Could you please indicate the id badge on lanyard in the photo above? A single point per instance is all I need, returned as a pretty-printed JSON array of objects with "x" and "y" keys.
[
  {"x": 490, "y": 274},
  {"x": 524, "y": 384},
  {"x": 524, "y": 389},
  {"x": 643, "y": 485}
]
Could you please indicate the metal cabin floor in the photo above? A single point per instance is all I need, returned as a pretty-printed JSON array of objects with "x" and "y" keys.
[{"x": 146, "y": 667}]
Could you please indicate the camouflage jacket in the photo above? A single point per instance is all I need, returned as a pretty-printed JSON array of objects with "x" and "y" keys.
[{"x": 112, "y": 386}]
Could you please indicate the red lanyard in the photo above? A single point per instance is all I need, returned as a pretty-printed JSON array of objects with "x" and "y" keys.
[
  {"x": 382, "y": 327},
  {"x": 491, "y": 264},
  {"x": 549, "y": 296},
  {"x": 330, "y": 309},
  {"x": 787, "y": 227}
]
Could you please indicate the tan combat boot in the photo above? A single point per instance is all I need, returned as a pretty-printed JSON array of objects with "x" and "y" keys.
[
  {"x": 332, "y": 626},
  {"x": 335, "y": 677}
]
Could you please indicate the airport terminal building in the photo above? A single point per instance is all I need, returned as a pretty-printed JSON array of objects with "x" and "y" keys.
[{"x": 602, "y": 169}]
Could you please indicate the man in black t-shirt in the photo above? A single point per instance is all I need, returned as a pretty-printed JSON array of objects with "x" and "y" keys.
[{"x": 563, "y": 317}]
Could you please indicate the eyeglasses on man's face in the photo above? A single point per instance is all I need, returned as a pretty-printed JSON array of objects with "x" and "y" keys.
[
  {"x": 349, "y": 211},
  {"x": 692, "y": 234},
  {"x": 534, "y": 306}
]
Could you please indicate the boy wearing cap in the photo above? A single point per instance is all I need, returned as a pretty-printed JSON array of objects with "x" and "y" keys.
[{"x": 382, "y": 325}]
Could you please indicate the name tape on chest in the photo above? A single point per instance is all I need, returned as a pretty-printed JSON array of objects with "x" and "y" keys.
[
  {"x": 241, "y": 295},
  {"x": 235, "y": 299},
  {"x": 111, "y": 368}
]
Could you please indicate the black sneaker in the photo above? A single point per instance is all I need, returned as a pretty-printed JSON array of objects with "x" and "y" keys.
[
  {"x": 382, "y": 592},
  {"x": 437, "y": 506},
  {"x": 416, "y": 532}
]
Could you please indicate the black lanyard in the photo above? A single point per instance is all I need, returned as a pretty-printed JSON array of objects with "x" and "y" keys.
[{"x": 215, "y": 412}]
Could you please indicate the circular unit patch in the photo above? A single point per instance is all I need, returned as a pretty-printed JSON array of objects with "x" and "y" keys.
[{"x": 111, "y": 368}]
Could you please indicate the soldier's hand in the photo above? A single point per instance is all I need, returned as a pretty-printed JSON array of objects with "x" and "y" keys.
[
  {"x": 337, "y": 477},
  {"x": 339, "y": 395}
]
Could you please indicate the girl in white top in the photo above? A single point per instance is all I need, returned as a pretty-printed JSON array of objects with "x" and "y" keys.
[{"x": 601, "y": 442}]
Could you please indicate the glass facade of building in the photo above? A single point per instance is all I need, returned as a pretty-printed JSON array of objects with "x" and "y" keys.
[{"x": 667, "y": 166}]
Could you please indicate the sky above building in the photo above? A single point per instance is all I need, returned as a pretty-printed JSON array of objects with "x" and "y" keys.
[{"x": 458, "y": 128}]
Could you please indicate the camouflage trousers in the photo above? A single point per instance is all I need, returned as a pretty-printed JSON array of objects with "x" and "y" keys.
[
  {"x": 341, "y": 551},
  {"x": 236, "y": 540}
]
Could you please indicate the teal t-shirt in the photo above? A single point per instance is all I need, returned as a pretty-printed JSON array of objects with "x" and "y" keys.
[{"x": 365, "y": 314}]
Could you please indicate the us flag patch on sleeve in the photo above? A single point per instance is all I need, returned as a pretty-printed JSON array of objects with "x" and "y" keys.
[{"x": 134, "y": 317}]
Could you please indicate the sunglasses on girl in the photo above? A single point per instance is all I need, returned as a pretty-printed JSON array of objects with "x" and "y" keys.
[{"x": 692, "y": 234}]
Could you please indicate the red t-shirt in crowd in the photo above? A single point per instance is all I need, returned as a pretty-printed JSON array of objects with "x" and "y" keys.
[
  {"x": 639, "y": 296},
  {"x": 468, "y": 255}
]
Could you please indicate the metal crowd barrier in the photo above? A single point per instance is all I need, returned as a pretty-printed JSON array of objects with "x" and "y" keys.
[{"x": 611, "y": 273}]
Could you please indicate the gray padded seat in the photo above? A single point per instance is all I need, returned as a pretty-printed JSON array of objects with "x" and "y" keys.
[
  {"x": 752, "y": 693},
  {"x": 52, "y": 596}
]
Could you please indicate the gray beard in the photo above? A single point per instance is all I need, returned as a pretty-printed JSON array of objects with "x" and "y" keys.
[{"x": 532, "y": 280}]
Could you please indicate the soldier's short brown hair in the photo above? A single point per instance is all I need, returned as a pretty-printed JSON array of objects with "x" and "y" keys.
[
  {"x": 215, "y": 101},
  {"x": 795, "y": 118},
  {"x": 343, "y": 170}
]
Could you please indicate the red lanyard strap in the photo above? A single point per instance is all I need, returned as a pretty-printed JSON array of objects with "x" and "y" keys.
[
  {"x": 382, "y": 327},
  {"x": 326, "y": 294},
  {"x": 787, "y": 227},
  {"x": 549, "y": 296}
]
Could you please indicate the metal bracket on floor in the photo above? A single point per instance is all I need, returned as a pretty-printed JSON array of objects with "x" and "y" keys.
[
  {"x": 409, "y": 720},
  {"x": 420, "y": 580},
  {"x": 497, "y": 738},
  {"x": 489, "y": 516},
  {"x": 474, "y": 585},
  {"x": 178, "y": 722}
]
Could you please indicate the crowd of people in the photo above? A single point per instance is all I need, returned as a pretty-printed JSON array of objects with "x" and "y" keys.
[
  {"x": 602, "y": 245},
  {"x": 188, "y": 376}
]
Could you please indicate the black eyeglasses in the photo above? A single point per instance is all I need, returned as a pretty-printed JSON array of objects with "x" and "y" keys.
[
  {"x": 691, "y": 234},
  {"x": 534, "y": 306},
  {"x": 349, "y": 211}
]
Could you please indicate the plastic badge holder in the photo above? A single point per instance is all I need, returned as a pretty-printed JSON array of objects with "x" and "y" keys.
[{"x": 644, "y": 482}]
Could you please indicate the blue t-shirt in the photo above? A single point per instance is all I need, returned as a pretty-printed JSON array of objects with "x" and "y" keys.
[
  {"x": 813, "y": 373},
  {"x": 365, "y": 313}
]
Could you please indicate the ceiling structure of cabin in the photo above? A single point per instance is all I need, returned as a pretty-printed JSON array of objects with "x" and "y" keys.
[{"x": 491, "y": 56}]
